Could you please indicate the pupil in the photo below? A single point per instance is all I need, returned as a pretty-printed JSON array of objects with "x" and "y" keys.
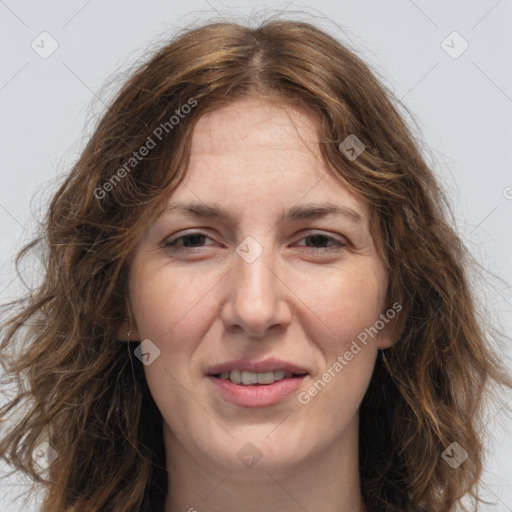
[
  {"x": 195, "y": 239},
  {"x": 317, "y": 238}
]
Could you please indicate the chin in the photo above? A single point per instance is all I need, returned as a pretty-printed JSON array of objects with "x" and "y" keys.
[{"x": 248, "y": 454}]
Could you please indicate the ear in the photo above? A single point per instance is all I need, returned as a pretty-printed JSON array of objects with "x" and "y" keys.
[
  {"x": 124, "y": 329},
  {"x": 393, "y": 322}
]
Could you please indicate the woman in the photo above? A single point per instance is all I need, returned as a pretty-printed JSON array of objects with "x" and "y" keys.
[{"x": 253, "y": 299}]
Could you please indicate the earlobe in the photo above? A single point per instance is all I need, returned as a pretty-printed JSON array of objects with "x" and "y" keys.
[
  {"x": 387, "y": 337},
  {"x": 392, "y": 331},
  {"x": 127, "y": 332},
  {"x": 385, "y": 342}
]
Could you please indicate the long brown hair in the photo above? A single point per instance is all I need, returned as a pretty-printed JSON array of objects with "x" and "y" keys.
[{"x": 84, "y": 392}]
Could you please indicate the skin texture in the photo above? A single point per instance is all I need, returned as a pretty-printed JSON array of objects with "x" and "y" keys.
[{"x": 303, "y": 300}]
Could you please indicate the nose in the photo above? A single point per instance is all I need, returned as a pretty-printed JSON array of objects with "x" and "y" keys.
[{"x": 257, "y": 297}]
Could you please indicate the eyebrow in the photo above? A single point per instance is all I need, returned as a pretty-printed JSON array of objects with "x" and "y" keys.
[{"x": 295, "y": 213}]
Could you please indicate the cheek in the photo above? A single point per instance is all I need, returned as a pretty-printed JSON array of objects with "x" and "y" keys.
[
  {"x": 346, "y": 305},
  {"x": 173, "y": 310},
  {"x": 350, "y": 304},
  {"x": 169, "y": 304}
]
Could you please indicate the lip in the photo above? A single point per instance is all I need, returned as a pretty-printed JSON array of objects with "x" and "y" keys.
[
  {"x": 267, "y": 365},
  {"x": 258, "y": 395}
]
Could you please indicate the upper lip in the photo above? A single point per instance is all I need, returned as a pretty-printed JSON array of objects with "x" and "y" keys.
[{"x": 250, "y": 365}]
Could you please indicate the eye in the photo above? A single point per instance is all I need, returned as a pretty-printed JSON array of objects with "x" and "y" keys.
[
  {"x": 187, "y": 242},
  {"x": 318, "y": 241}
]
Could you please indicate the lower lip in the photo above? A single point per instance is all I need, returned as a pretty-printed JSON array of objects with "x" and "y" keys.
[{"x": 256, "y": 396}]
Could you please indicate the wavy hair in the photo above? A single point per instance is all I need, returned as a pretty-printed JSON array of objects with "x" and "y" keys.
[{"x": 79, "y": 388}]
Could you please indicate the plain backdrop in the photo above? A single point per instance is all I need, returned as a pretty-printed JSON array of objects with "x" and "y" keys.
[{"x": 461, "y": 101}]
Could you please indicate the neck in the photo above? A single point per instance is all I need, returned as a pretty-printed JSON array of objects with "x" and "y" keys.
[{"x": 325, "y": 482}]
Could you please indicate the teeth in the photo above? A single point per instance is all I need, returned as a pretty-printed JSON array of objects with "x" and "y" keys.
[
  {"x": 235, "y": 376},
  {"x": 264, "y": 378},
  {"x": 279, "y": 374},
  {"x": 249, "y": 378},
  {"x": 252, "y": 378}
]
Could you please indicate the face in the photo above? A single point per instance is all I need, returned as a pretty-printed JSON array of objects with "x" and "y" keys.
[{"x": 276, "y": 284}]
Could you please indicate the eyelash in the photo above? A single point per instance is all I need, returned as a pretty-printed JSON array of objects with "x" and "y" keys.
[{"x": 338, "y": 247}]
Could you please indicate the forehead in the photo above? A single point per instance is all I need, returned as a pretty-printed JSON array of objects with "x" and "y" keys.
[
  {"x": 261, "y": 151},
  {"x": 253, "y": 125}
]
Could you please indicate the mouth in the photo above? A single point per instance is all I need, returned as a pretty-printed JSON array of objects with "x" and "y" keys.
[
  {"x": 248, "y": 383},
  {"x": 247, "y": 378}
]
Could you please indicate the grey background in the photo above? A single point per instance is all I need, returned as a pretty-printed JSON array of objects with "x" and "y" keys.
[{"x": 462, "y": 105}]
